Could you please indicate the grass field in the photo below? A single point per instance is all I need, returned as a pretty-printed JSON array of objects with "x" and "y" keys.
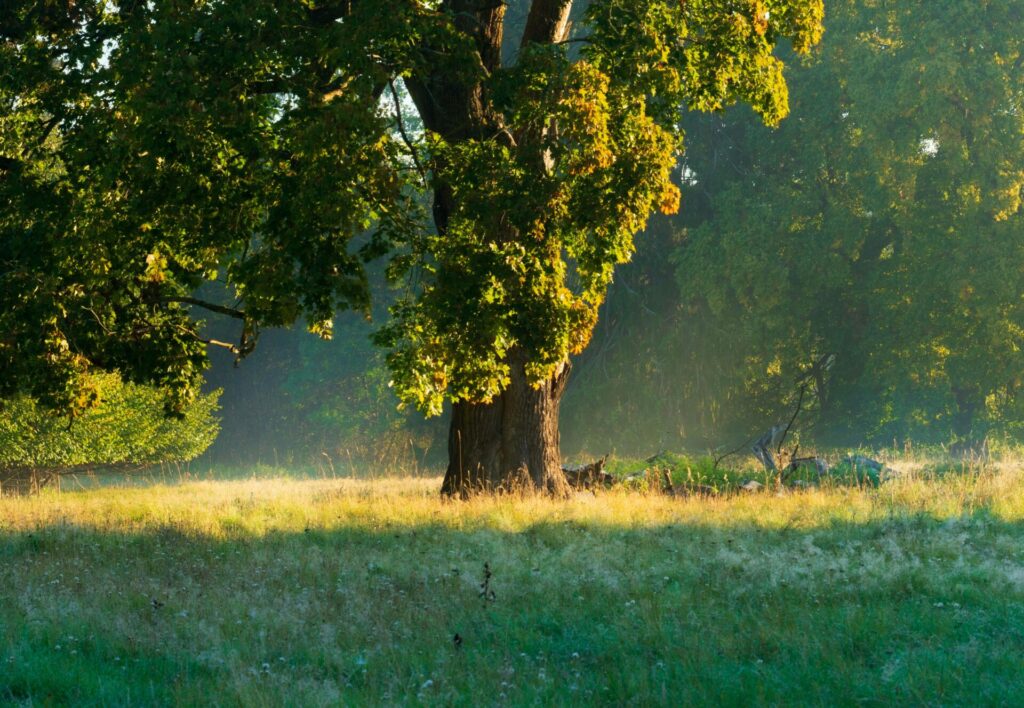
[{"x": 325, "y": 592}]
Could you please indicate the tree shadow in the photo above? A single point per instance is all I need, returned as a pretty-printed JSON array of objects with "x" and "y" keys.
[{"x": 909, "y": 606}]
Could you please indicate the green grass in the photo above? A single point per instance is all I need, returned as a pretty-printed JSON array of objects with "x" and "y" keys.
[{"x": 326, "y": 592}]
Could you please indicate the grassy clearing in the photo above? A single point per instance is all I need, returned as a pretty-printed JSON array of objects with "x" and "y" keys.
[{"x": 325, "y": 592}]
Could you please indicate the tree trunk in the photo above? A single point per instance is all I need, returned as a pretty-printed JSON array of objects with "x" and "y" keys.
[
  {"x": 510, "y": 444},
  {"x": 968, "y": 401}
]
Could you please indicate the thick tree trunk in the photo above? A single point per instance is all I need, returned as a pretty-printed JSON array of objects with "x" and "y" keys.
[{"x": 511, "y": 444}]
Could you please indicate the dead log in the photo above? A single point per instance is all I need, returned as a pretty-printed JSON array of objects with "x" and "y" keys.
[
  {"x": 776, "y": 436},
  {"x": 820, "y": 466},
  {"x": 588, "y": 476}
]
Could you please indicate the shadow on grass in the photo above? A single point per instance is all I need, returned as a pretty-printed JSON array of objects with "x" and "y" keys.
[{"x": 906, "y": 608}]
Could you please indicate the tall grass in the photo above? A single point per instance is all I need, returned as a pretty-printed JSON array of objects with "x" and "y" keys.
[{"x": 278, "y": 591}]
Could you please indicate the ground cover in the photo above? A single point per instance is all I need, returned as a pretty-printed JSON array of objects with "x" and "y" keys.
[{"x": 277, "y": 591}]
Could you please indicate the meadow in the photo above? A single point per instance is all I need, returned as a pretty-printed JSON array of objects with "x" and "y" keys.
[{"x": 284, "y": 591}]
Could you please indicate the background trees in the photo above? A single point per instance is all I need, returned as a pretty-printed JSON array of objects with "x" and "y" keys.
[{"x": 880, "y": 230}]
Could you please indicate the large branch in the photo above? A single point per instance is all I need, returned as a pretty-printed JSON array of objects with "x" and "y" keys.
[
  {"x": 212, "y": 307},
  {"x": 484, "y": 21},
  {"x": 547, "y": 23},
  {"x": 453, "y": 104}
]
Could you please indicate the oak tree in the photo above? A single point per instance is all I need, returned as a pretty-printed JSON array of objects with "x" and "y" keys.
[{"x": 151, "y": 147}]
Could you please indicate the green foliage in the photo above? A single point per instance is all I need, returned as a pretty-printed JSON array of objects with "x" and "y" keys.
[
  {"x": 151, "y": 148},
  {"x": 689, "y": 472},
  {"x": 126, "y": 427},
  {"x": 853, "y": 471},
  {"x": 541, "y": 214},
  {"x": 881, "y": 226}
]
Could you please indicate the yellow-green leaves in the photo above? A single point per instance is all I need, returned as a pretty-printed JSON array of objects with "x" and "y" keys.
[
  {"x": 122, "y": 423},
  {"x": 173, "y": 144},
  {"x": 544, "y": 207},
  {"x": 156, "y": 267}
]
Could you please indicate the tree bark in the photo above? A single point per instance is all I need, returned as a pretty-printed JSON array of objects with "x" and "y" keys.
[{"x": 511, "y": 444}]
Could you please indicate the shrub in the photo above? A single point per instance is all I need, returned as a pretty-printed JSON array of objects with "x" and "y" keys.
[{"x": 127, "y": 428}]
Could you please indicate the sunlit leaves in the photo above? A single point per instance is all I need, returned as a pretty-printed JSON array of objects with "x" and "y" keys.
[
  {"x": 543, "y": 211},
  {"x": 123, "y": 425},
  {"x": 164, "y": 145}
]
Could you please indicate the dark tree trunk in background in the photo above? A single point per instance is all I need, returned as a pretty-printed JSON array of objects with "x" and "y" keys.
[
  {"x": 968, "y": 401},
  {"x": 510, "y": 444}
]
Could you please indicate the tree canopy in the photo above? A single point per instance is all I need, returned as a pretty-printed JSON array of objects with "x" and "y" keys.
[
  {"x": 262, "y": 150},
  {"x": 151, "y": 147}
]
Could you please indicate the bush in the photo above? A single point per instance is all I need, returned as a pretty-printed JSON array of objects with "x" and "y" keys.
[{"x": 128, "y": 427}]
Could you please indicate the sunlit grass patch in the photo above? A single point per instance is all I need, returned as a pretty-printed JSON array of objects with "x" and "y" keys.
[{"x": 327, "y": 591}]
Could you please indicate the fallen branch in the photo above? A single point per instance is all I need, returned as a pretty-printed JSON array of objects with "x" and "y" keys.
[
  {"x": 799, "y": 406},
  {"x": 588, "y": 476}
]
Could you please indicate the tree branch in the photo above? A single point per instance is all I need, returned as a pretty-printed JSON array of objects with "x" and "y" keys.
[
  {"x": 547, "y": 23},
  {"x": 484, "y": 22},
  {"x": 235, "y": 349},
  {"x": 48, "y": 128},
  {"x": 217, "y": 343},
  {"x": 718, "y": 459},
  {"x": 212, "y": 307},
  {"x": 404, "y": 134},
  {"x": 270, "y": 86},
  {"x": 799, "y": 406}
]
